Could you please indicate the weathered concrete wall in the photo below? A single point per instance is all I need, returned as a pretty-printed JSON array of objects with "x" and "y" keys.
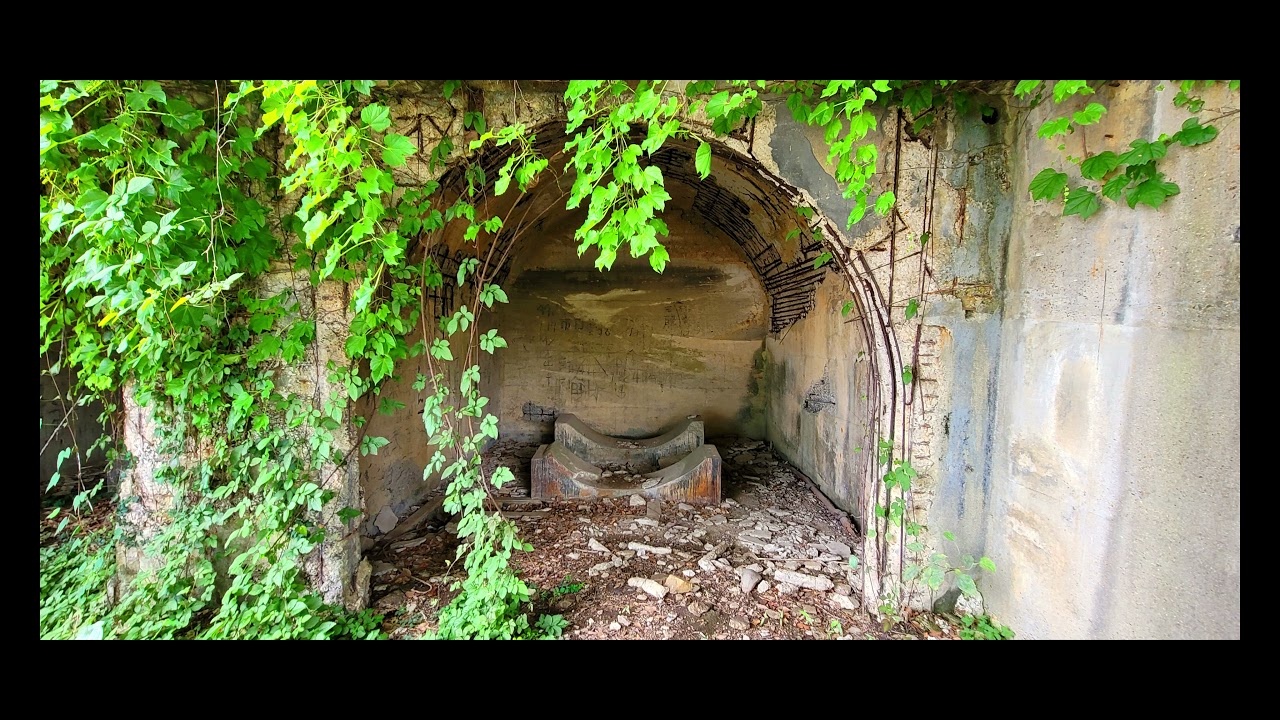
[
  {"x": 632, "y": 352},
  {"x": 951, "y": 183},
  {"x": 1114, "y": 496},
  {"x": 817, "y": 381}
]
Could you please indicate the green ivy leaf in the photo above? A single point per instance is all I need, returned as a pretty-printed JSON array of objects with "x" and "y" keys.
[
  {"x": 1091, "y": 114},
  {"x": 702, "y": 160},
  {"x": 987, "y": 564},
  {"x": 377, "y": 117},
  {"x": 907, "y": 375},
  {"x": 1026, "y": 87},
  {"x": 1057, "y": 126},
  {"x": 884, "y": 203},
  {"x": 844, "y": 311},
  {"x": 150, "y": 91},
  {"x": 1081, "y": 202},
  {"x": 137, "y": 185},
  {"x": 966, "y": 584},
  {"x": 821, "y": 260},
  {"x": 912, "y": 308},
  {"x": 658, "y": 258},
  {"x": 398, "y": 147},
  {"x": 1048, "y": 184},
  {"x": 1154, "y": 191},
  {"x": 1115, "y": 187},
  {"x": 1143, "y": 152},
  {"x": 1193, "y": 133},
  {"x": 1064, "y": 89},
  {"x": 1097, "y": 166}
]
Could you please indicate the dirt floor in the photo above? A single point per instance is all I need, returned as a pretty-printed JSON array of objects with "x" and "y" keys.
[{"x": 770, "y": 562}]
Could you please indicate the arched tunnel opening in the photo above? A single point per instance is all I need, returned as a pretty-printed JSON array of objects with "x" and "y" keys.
[{"x": 742, "y": 330}]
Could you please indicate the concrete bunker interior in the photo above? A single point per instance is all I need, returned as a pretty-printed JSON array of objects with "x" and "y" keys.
[{"x": 725, "y": 334}]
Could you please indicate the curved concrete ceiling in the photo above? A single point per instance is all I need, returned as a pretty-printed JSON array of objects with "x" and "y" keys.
[{"x": 740, "y": 198}]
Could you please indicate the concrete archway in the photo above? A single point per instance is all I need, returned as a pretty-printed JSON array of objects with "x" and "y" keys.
[{"x": 741, "y": 328}]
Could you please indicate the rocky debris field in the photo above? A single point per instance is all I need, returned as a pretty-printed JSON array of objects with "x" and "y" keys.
[{"x": 769, "y": 562}]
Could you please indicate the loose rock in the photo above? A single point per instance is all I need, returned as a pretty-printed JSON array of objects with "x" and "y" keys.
[
  {"x": 843, "y": 602},
  {"x": 386, "y": 520},
  {"x": 750, "y": 578},
  {"x": 678, "y": 584},
  {"x": 636, "y": 500},
  {"x": 642, "y": 548},
  {"x": 648, "y": 586},
  {"x": 800, "y": 579},
  {"x": 738, "y": 622}
]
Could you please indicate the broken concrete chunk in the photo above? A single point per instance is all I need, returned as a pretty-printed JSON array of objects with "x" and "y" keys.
[
  {"x": 843, "y": 602},
  {"x": 642, "y": 548},
  {"x": 648, "y": 586},
  {"x": 750, "y": 578},
  {"x": 800, "y": 579},
  {"x": 636, "y": 500},
  {"x": 595, "y": 545},
  {"x": 763, "y": 587}
]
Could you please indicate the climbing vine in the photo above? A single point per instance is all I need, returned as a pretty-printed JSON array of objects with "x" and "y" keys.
[
  {"x": 185, "y": 232},
  {"x": 1132, "y": 176}
]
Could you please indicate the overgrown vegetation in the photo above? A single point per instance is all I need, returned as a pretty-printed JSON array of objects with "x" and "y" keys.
[
  {"x": 185, "y": 232},
  {"x": 74, "y": 577}
]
